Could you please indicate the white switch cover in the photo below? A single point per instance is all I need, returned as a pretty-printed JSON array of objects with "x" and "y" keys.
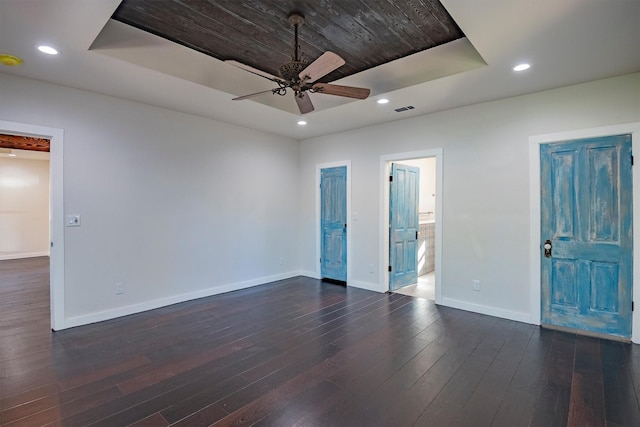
[{"x": 72, "y": 220}]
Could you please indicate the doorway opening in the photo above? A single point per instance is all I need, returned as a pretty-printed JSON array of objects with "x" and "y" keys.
[
  {"x": 538, "y": 247},
  {"x": 333, "y": 212},
  {"x": 412, "y": 250},
  {"x": 56, "y": 212},
  {"x": 24, "y": 197}
]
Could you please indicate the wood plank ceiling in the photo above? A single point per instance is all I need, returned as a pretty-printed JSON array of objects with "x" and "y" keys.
[
  {"x": 257, "y": 33},
  {"x": 24, "y": 143}
]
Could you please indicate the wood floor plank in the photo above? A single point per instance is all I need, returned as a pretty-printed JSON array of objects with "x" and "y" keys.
[
  {"x": 621, "y": 404},
  {"x": 552, "y": 403},
  {"x": 305, "y": 353},
  {"x": 483, "y": 404},
  {"x": 586, "y": 407},
  {"x": 517, "y": 405}
]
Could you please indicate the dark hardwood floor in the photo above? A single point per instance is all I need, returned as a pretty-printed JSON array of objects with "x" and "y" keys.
[{"x": 301, "y": 352}]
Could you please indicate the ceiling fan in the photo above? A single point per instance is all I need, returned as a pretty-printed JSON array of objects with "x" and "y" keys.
[{"x": 299, "y": 76}]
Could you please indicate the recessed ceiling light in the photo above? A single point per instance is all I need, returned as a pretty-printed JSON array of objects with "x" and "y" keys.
[
  {"x": 48, "y": 50},
  {"x": 521, "y": 67},
  {"x": 302, "y": 123},
  {"x": 12, "y": 155},
  {"x": 382, "y": 101}
]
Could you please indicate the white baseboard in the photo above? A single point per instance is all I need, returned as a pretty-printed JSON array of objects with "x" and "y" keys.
[
  {"x": 375, "y": 287},
  {"x": 71, "y": 322},
  {"x": 309, "y": 273},
  {"x": 489, "y": 311},
  {"x": 20, "y": 255}
]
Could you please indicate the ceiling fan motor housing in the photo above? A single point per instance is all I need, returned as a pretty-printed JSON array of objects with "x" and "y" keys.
[{"x": 290, "y": 70}]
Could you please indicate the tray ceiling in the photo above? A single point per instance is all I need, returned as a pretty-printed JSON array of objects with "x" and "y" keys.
[{"x": 257, "y": 33}]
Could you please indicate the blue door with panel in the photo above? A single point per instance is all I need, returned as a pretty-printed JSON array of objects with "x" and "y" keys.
[
  {"x": 333, "y": 223},
  {"x": 403, "y": 225},
  {"x": 586, "y": 234}
]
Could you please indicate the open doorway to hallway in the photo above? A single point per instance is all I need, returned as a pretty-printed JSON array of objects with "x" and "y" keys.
[
  {"x": 421, "y": 253},
  {"x": 29, "y": 137},
  {"x": 24, "y": 202}
]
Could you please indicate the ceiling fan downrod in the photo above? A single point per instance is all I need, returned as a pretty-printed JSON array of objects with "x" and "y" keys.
[
  {"x": 296, "y": 19},
  {"x": 290, "y": 71}
]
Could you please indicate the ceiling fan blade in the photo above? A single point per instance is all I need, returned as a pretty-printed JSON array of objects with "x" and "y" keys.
[
  {"x": 253, "y": 70},
  {"x": 251, "y": 95},
  {"x": 326, "y": 63},
  {"x": 304, "y": 102},
  {"x": 348, "y": 91}
]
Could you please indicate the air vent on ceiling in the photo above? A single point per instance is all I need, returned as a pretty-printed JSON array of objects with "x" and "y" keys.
[{"x": 401, "y": 109}]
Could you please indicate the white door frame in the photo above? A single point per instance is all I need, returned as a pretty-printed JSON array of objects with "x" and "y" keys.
[
  {"x": 319, "y": 167},
  {"x": 534, "y": 216},
  {"x": 385, "y": 168},
  {"x": 56, "y": 212}
]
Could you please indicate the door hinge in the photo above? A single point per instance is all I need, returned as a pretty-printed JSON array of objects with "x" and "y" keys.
[
  {"x": 632, "y": 160},
  {"x": 632, "y": 305},
  {"x": 389, "y": 269},
  {"x": 391, "y": 178},
  {"x": 320, "y": 260},
  {"x": 345, "y": 225},
  {"x": 416, "y": 235},
  {"x": 51, "y": 244}
]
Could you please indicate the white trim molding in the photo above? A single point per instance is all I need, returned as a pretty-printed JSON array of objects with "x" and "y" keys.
[
  {"x": 486, "y": 310},
  {"x": 163, "y": 302},
  {"x": 21, "y": 255},
  {"x": 383, "y": 257},
  {"x": 534, "y": 215}
]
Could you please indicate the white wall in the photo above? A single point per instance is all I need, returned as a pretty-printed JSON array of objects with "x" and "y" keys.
[
  {"x": 179, "y": 207},
  {"x": 486, "y": 185},
  {"x": 175, "y": 206},
  {"x": 24, "y": 207},
  {"x": 427, "y": 199}
]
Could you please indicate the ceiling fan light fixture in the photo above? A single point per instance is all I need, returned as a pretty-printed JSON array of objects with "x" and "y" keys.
[{"x": 301, "y": 76}]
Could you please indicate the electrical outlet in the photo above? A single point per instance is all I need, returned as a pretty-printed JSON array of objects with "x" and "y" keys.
[
  {"x": 119, "y": 288},
  {"x": 476, "y": 285}
]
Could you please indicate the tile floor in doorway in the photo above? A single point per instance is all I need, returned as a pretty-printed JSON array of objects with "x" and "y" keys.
[{"x": 425, "y": 288}]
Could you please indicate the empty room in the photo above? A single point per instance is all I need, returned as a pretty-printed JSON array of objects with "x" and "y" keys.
[{"x": 319, "y": 213}]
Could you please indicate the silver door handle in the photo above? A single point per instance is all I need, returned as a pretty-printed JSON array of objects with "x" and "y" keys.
[{"x": 547, "y": 248}]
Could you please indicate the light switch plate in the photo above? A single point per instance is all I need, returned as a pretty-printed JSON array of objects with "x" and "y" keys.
[{"x": 72, "y": 220}]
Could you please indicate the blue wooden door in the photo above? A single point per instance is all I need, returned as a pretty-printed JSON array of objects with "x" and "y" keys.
[
  {"x": 403, "y": 225},
  {"x": 333, "y": 223},
  {"x": 586, "y": 224}
]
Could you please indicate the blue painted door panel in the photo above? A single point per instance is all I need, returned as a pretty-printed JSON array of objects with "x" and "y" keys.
[
  {"x": 403, "y": 225},
  {"x": 586, "y": 189},
  {"x": 333, "y": 223}
]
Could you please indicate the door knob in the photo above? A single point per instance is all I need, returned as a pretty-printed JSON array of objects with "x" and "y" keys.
[{"x": 547, "y": 248}]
